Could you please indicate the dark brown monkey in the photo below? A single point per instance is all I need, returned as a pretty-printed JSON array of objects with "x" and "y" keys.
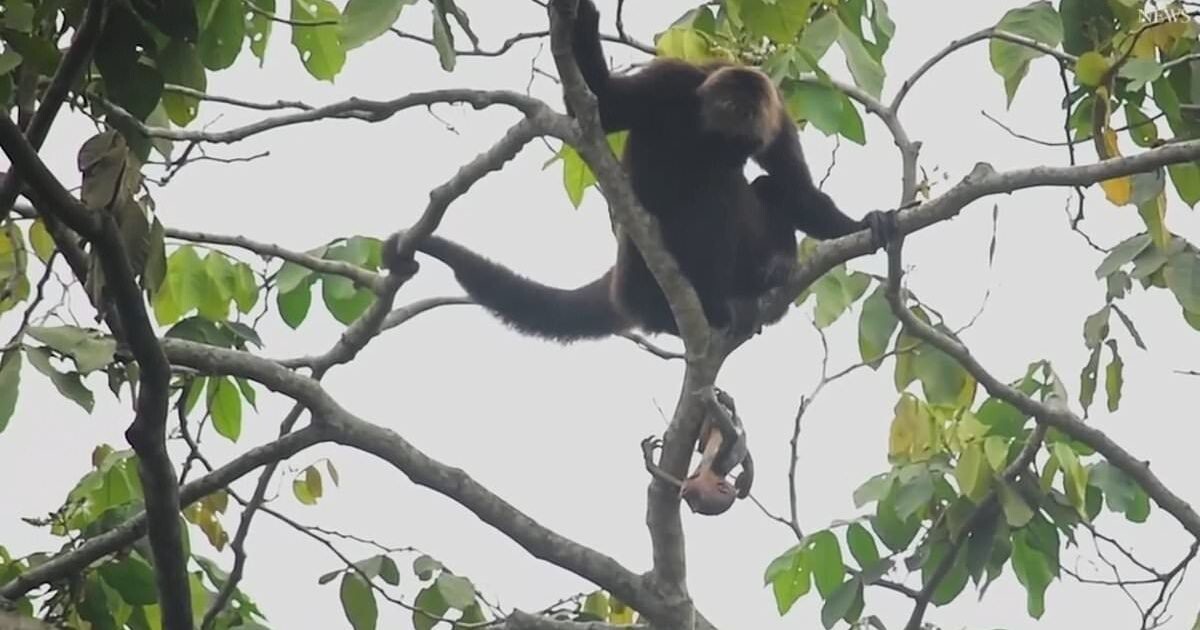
[
  {"x": 692, "y": 129},
  {"x": 722, "y": 448}
]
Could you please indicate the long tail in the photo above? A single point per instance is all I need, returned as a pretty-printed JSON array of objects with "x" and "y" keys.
[{"x": 530, "y": 307}]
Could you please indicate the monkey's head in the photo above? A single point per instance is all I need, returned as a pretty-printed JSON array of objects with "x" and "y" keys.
[
  {"x": 740, "y": 104},
  {"x": 706, "y": 493}
]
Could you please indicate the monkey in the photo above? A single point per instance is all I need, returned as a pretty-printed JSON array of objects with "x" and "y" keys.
[
  {"x": 722, "y": 446},
  {"x": 692, "y": 129}
]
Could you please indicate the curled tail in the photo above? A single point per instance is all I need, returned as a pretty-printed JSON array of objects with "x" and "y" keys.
[{"x": 563, "y": 315}]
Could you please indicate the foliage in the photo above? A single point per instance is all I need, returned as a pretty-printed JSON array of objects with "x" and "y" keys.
[{"x": 943, "y": 506}]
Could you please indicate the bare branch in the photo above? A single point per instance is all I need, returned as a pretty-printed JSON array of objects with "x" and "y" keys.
[
  {"x": 353, "y": 108},
  {"x": 978, "y": 36},
  {"x": 507, "y": 44}
]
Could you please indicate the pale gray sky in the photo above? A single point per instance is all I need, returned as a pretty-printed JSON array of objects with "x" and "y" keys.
[{"x": 554, "y": 430}]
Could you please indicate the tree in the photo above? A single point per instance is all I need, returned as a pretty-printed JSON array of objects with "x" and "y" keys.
[{"x": 992, "y": 473}]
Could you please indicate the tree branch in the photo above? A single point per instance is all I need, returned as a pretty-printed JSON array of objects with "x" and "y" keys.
[
  {"x": 353, "y": 108},
  {"x": 147, "y": 433},
  {"x": 125, "y": 534},
  {"x": 1061, "y": 418},
  {"x": 360, "y": 276},
  {"x": 978, "y": 36},
  {"x": 69, "y": 69},
  {"x": 982, "y": 181}
]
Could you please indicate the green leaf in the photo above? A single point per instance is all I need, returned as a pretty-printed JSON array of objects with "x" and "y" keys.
[
  {"x": 429, "y": 608},
  {"x": 1153, "y": 213},
  {"x": 1121, "y": 493},
  {"x": 1183, "y": 278},
  {"x": 1186, "y": 178},
  {"x": 1037, "y": 21},
  {"x": 358, "y": 602},
  {"x": 841, "y": 602},
  {"x": 10, "y": 381},
  {"x": 41, "y": 241},
  {"x": 972, "y": 472},
  {"x": 132, "y": 578},
  {"x": 69, "y": 385},
  {"x": 852, "y": 124},
  {"x": 1016, "y": 511},
  {"x": 294, "y": 305},
  {"x": 222, "y": 35},
  {"x": 825, "y": 557},
  {"x": 364, "y": 20},
  {"x": 345, "y": 302},
  {"x": 457, "y": 591},
  {"x": 225, "y": 405},
  {"x": 313, "y": 483},
  {"x": 425, "y": 566},
  {"x": 953, "y": 581},
  {"x": 862, "y": 546},
  {"x": 90, "y": 349},
  {"x": 388, "y": 570},
  {"x": 817, "y": 37},
  {"x": 790, "y": 577},
  {"x": 818, "y": 104},
  {"x": 180, "y": 65},
  {"x": 867, "y": 72},
  {"x": 778, "y": 20},
  {"x": 685, "y": 43},
  {"x": 995, "y": 449},
  {"x": 302, "y": 492},
  {"x": 320, "y": 49},
  {"x": 443, "y": 41},
  {"x": 1033, "y": 571},
  {"x": 258, "y": 27},
  {"x": 1142, "y": 129},
  {"x": 1074, "y": 475},
  {"x": 1140, "y": 72},
  {"x": 1122, "y": 254},
  {"x": 1114, "y": 377}
]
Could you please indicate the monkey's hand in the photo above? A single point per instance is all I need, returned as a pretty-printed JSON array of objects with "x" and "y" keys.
[
  {"x": 649, "y": 445},
  {"x": 883, "y": 226},
  {"x": 397, "y": 264}
]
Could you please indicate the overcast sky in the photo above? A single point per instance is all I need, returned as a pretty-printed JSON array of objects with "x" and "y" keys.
[{"x": 555, "y": 430}]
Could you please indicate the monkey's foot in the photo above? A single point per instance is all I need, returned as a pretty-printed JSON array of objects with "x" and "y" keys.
[
  {"x": 777, "y": 271},
  {"x": 884, "y": 227},
  {"x": 396, "y": 264}
]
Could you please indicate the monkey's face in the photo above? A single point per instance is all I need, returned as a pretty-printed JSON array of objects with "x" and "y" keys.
[
  {"x": 740, "y": 104},
  {"x": 707, "y": 494}
]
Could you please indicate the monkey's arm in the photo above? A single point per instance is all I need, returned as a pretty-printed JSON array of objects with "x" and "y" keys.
[
  {"x": 622, "y": 100},
  {"x": 788, "y": 187}
]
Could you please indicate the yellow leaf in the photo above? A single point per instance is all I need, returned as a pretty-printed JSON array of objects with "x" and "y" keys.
[
  {"x": 911, "y": 435},
  {"x": 1118, "y": 190}
]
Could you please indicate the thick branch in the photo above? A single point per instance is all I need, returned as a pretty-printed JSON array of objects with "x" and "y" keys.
[
  {"x": 147, "y": 433},
  {"x": 981, "y": 182},
  {"x": 341, "y": 426},
  {"x": 663, "y": 519}
]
